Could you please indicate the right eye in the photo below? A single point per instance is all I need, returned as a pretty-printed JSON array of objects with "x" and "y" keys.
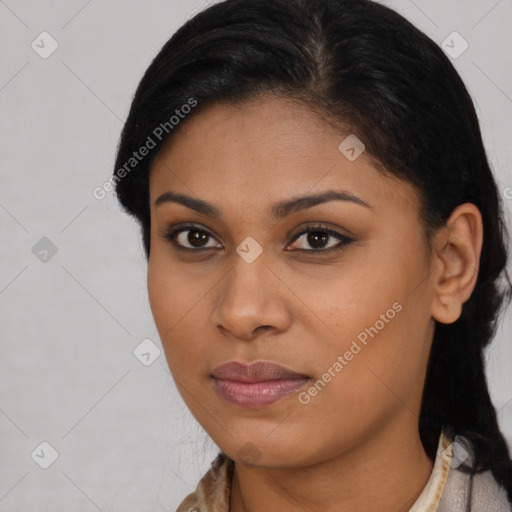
[{"x": 195, "y": 237}]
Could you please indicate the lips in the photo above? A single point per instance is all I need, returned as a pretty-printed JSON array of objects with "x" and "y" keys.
[{"x": 256, "y": 385}]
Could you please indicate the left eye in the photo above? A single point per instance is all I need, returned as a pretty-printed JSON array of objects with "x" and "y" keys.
[{"x": 318, "y": 237}]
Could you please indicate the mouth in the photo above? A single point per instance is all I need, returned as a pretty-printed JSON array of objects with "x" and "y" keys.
[{"x": 255, "y": 385}]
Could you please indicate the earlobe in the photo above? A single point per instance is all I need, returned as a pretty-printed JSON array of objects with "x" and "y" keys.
[{"x": 457, "y": 250}]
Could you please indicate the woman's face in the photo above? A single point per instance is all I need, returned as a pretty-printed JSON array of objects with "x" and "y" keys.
[{"x": 346, "y": 311}]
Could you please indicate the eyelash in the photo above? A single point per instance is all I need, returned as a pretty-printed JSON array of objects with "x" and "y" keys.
[{"x": 343, "y": 240}]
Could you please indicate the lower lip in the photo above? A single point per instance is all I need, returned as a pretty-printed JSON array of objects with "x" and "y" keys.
[{"x": 257, "y": 394}]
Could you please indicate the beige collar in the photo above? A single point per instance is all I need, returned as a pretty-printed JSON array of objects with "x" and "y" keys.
[{"x": 428, "y": 500}]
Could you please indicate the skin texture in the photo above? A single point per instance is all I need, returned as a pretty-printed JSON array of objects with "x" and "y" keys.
[{"x": 355, "y": 445}]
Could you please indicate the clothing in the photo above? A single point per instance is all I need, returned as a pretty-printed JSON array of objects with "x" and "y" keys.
[{"x": 447, "y": 489}]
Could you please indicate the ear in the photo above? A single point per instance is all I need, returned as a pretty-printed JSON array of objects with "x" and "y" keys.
[{"x": 457, "y": 250}]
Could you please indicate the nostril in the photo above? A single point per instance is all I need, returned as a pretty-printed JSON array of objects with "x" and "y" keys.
[{"x": 263, "y": 327}]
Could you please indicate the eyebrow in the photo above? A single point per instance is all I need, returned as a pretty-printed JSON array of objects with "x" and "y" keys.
[{"x": 279, "y": 210}]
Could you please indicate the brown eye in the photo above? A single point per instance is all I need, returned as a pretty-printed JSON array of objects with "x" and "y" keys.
[
  {"x": 320, "y": 239},
  {"x": 191, "y": 238},
  {"x": 195, "y": 238}
]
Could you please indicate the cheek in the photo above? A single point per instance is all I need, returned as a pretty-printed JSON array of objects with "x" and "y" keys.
[
  {"x": 362, "y": 385},
  {"x": 162, "y": 295},
  {"x": 378, "y": 332},
  {"x": 177, "y": 309}
]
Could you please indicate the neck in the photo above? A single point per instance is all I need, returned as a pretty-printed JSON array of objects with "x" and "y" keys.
[{"x": 386, "y": 473}]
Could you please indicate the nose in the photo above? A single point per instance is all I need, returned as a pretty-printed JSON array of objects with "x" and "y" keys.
[{"x": 251, "y": 301}]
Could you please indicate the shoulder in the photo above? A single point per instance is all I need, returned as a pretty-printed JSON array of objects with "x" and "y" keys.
[
  {"x": 212, "y": 492},
  {"x": 485, "y": 492},
  {"x": 488, "y": 494}
]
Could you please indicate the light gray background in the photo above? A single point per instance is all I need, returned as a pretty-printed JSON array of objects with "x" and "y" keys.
[{"x": 69, "y": 326}]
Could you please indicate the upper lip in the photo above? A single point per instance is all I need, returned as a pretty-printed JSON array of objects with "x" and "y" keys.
[{"x": 258, "y": 371}]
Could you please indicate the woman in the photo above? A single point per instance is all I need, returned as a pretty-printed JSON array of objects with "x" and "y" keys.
[{"x": 324, "y": 245}]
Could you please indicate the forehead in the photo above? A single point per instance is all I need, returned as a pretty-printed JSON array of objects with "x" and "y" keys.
[{"x": 265, "y": 151}]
